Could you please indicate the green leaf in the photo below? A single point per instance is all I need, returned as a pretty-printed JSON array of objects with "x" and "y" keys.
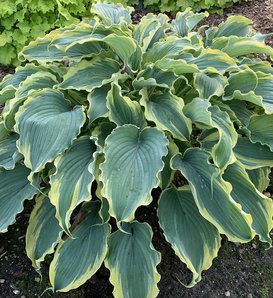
[
  {"x": 240, "y": 84},
  {"x": 260, "y": 127},
  {"x": 47, "y": 126},
  {"x": 211, "y": 60},
  {"x": 253, "y": 155},
  {"x": 197, "y": 111},
  {"x": 97, "y": 99},
  {"x": 134, "y": 157},
  {"x": 179, "y": 67},
  {"x": 71, "y": 183},
  {"x": 11, "y": 82},
  {"x": 252, "y": 201},
  {"x": 3, "y": 131},
  {"x": 132, "y": 261},
  {"x": 167, "y": 174},
  {"x": 88, "y": 75},
  {"x": 43, "y": 232},
  {"x": 15, "y": 189},
  {"x": 235, "y": 26},
  {"x": 168, "y": 48},
  {"x": 152, "y": 76},
  {"x": 212, "y": 195},
  {"x": 166, "y": 111},
  {"x": 150, "y": 30},
  {"x": 185, "y": 21},
  {"x": 123, "y": 110},
  {"x": 260, "y": 178},
  {"x": 264, "y": 89},
  {"x": 80, "y": 256},
  {"x": 209, "y": 85},
  {"x": 112, "y": 13},
  {"x": 37, "y": 81},
  {"x": 183, "y": 226},
  {"x": 222, "y": 152},
  {"x": 236, "y": 46},
  {"x": 9, "y": 154}
]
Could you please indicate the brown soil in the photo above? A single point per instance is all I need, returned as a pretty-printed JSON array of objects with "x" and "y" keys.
[{"x": 239, "y": 271}]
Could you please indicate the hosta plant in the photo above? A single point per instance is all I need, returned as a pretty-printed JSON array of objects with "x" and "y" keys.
[{"x": 105, "y": 111}]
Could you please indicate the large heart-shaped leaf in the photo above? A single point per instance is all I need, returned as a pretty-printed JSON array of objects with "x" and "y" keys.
[
  {"x": 166, "y": 111},
  {"x": 47, "y": 126},
  {"x": 132, "y": 261},
  {"x": 195, "y": 240},
  {"x": 71, "y": 184},
  {"x": 9, "y": 154},
  {"x": 253, "y": 202},
  {"x": 43, "y": 232},
  {"x": 212, "y": 195},
  {"x": 122, "y": 110},
  {"x": 133, "y": 160},
  {"x": 80, "y": 256},
  {"x": 15, "y": 189}
]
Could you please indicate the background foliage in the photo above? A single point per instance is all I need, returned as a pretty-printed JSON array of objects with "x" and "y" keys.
[
  {"x": 22, "y": 21},
  {"x": 170, "y": 5}
]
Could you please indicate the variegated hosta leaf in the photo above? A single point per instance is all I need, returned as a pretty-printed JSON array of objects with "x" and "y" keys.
[
  {"x": 15, "y": 189},
  {"x": 186, "y": 21},
  {"x": 102, "y": 131},
  {"x": 80, "y": 256},
  {"x": 10, "y": 83},
  {"x": 166, "y": 49},
  {"x": 132, "y": 261},
  {"x": 112, "y": 13},
  {"x": 122, "y": 110},
  {"x": 202, "y": 113},
  {"x": 167, "y": 174},
  {"x": 71, "y": 184},
  {"x": 235, "y": 26},
  {"x": 9, "y": 154},
  {"x": 97, "y": 103},
  {"x": 52, "y": 47},
  {"x": 37, "y": 81},
  {"x": 133, "y": 160},
  {"x": 260, "y": 127},
  {"x": 197, "y": 111},
  {"x": 43, "y": 232},
  {"x": 240, "y": 110},
  {"x": 241, "y": 85},
  {"x": 212, "y": 195},
  {"x": 177, "y": 66},
  {"x": 88, "y": 75},
  {"x": 166, "y": 111},
  {"x": 222, "y": 152},
  {"x": 3, "y": 131},
  {"x": 211, "y": 60},
  {"x": 153, "y": 76},
  {"x": 150, "y": 30},
  {"x": 253, "y": 155},
  {"x": 252, "y": 201},
  {"x": 236, "y": 46},
  {"x": 260, "y": 178},
  {"x": 195, "y": 240},
  {"x": 209, "y": 84},
  {"x": 264, "y": 89},
  {"x": 47, "y": 126}
]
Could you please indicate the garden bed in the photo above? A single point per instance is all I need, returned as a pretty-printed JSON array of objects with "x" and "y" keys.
[{"x": 240, "y": 271}]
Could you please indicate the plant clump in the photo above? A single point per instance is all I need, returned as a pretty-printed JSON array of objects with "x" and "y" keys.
[{"x": 120, "y": 108}]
